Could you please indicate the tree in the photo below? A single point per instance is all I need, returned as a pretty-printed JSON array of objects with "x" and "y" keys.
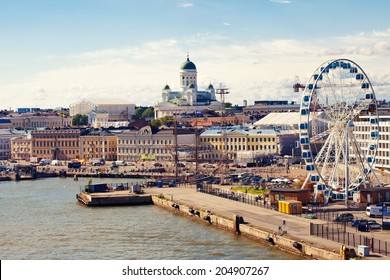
[
  {"x": 167, "y": 120},
  {"x": 79, "y": 119},
  {"x": 228, "y": 105},
  {"x": 148, "y": 113},
  {"x": 138, "y": 113},
  {"x": 155, "y": 125}
]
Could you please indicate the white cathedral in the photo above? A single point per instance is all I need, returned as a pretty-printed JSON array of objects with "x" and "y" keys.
[{"x": 188, "y": 99}]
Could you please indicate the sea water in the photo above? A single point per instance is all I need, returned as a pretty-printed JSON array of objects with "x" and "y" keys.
[{"x": 41, "y": 219}]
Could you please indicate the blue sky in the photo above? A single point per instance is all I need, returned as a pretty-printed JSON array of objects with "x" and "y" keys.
[{"x": 53, "y": 53}]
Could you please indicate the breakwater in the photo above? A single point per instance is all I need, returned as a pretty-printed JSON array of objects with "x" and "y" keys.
[{"x": 237, "y": 224}]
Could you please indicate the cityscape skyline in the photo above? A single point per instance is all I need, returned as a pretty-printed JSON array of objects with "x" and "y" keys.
[{"x": 56, "y": 53}]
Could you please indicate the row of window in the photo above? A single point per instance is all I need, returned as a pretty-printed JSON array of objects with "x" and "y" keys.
[
  {"x": 57, "y": 144},
  {"x": 143, "y": 150},
  {"x": 238, "y": 147},
  {"x": 217, "y": 157},
  {"x": 369, "y": 128},
  {"x": 237, "y": 139},
  {"x": 51, "y": 136},
  {"x": 75, "y": 153},
  {"x": 96, "y": 142},
  {"x": 149, "y": 142}
]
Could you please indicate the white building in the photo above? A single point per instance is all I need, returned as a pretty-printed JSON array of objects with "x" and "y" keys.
[
  {"x": 6, "y": 135},
  {"x": 117, "y": 109},
  {"x": 362, "y": 130},
  {"x": 143, "y": 144},
  {"x": 238, "y": 143},
  {"x": 189, "y": 98}
]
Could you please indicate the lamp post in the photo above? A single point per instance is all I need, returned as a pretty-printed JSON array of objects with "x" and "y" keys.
[{"x": 383, "y": 212}]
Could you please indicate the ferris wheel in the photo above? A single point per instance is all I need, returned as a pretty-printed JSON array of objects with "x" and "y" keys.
[{"x": 339, "y": 130}]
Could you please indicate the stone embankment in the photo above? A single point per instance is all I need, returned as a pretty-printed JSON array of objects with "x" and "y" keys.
[{"x": 238, "y": 225}]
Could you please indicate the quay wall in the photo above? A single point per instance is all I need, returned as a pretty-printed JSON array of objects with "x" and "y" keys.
[{"x": 263, "y": 236}]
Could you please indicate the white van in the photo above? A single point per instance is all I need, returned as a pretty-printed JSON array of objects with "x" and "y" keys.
[
  {"x": 374, "y": 211},
  {"x": 45, "y": 161},
  {"x": 120, "y": 163}
]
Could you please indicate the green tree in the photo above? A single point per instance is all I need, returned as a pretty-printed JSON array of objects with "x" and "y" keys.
[
  {"x": 167, "y": 120},
  {"x": 138, "y": 113},
  {"x": 155, "y": 125},
  {"x": 228, "y": 105},
  {"x": 79, "y": 119},
  {"x": 148, "y": 113}
]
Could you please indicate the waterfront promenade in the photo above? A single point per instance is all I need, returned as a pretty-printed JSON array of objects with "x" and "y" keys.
[{"x": 297, "y": 228}]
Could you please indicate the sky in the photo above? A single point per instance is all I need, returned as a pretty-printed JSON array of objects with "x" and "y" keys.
[{"x": 55, "y": 53}]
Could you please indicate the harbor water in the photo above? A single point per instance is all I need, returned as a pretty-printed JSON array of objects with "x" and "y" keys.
[{"x": 41, "y": 219}]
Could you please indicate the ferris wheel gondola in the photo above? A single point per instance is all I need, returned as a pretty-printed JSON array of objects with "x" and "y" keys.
[{"x": 339, "y": 161}]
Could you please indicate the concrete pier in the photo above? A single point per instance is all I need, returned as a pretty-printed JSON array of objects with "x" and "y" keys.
[{"x": 258, "y": 223}]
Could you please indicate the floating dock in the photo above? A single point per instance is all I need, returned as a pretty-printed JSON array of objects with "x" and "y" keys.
[
  {"x": 117, "y": 194},
  {"x": 116, "y": 198}
]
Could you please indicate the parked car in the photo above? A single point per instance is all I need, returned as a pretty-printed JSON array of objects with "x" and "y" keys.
[
  {"x": 356, "y": 223},
  {"x": 344, "y": 217},
  {"x": 372, "y": 225}
]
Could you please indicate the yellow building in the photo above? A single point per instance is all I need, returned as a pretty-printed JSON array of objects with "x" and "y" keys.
[
  {"x": 235, "y": 142},
  {"x": 98, "y": 144}
]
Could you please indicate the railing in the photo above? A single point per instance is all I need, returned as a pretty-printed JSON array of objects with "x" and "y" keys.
[
  {"x": 336, "y": 232},
  {"x": 332, "y": 231},
  {"x": 237, "y": 196}
]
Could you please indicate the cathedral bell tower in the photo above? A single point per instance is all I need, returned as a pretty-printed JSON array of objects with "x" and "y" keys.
[{"x": 188, "y": 75}]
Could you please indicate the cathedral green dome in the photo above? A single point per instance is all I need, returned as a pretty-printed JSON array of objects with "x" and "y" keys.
[{"x": 188, "y": 65}]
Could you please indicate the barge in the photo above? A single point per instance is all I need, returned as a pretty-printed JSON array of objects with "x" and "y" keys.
[{"x": 120, "y": 194}]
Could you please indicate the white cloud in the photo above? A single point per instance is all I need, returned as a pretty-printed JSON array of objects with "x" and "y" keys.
[
  {"x": 185, "y": 5},
  {"x": 252, "y": 70},
  {"x": 226, "y": 23},
  {"x": 281, "y": 1}
]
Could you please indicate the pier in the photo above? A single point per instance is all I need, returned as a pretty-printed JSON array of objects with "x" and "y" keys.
[{"x": 287, "y": 232}]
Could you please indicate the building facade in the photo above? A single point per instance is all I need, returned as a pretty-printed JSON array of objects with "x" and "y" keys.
[
  {"x": 21, "y": 148},
  {"x": 263, "y": 108},
  {"x": 59, "y": 144},
  {"x": 142, "y": 144},
  {"x": 98, "y": 144},
  {"x": 34, "y": 121},
  {"x": 117, "y": 109},
  {"x": 363, "y": 129},
  {"x": 6, "y": 136},
  {"x": 237, "y": 143}
]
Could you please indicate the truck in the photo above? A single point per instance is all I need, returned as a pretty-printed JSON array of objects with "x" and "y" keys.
[
  {"x": 374, "y": 211},
  {"x": 45, "y": 161}
]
